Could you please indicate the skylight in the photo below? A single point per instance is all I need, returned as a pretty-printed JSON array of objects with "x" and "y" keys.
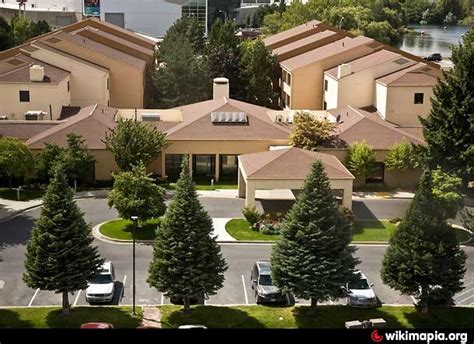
[{"x": 229, "y": 117}]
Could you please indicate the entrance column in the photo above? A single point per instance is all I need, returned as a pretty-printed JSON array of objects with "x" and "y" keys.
[
  {"x": 347, "y": 195},
  {"x": 190, "y": 157},
  {"x": 163, "y": 166},
  {"x": 241, "y": 183},
  {"x": 216, "y": 168},
  {"x": 250, "y": 193}
]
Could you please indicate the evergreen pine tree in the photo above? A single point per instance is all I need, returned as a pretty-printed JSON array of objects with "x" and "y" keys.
[
  {"x": 60, "y": 256},
  {"x": 449, "y": 128},
  {"x": 424, "y": 252},
  {"x": 187, "y": 261},
  {"x": 313, "y": 259}
]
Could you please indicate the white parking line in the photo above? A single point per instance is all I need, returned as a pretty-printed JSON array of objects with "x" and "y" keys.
[
  {"x": 413, "y": 299},
  {"x": 467, "y": 298},
  {"x": 464, "y": 293},
  {"x": 124, "y": 280},
  {"x": 245, "y": 290},
  {"x": 33, "y": 298},
  {"x": 162, "y": 299},
  {"x": 77, "y": 298}
]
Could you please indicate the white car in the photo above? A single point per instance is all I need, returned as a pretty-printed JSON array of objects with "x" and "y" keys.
[
  {"x": 360, "y": 293},
  {"x": 191, "y": 327},
  {"x": 102, "y": 287}
]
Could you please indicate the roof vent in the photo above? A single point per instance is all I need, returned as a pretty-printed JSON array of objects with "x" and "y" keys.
[
  {"x": 37, "y": 73},
  {"x": 53, "y": 40},
  {"x": 343, "y": 70},
  {"x": 401, "y": 61},
  {"x": 426, "y": 69},
  {"x": 221, "y": 88},
  {"x": 229, "y": 117},
  {"x": 16, "y": 62}
]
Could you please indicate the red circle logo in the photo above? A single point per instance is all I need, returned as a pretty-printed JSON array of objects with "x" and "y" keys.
[{"x": 376, "y": 337}]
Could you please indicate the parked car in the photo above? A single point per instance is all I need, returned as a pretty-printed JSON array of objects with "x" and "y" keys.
[
  {"x": 192, "y": 327},
  {"x": 434, "y": 57},
  {"x": 195, "y": 300},
  {"x": 261, "y": 283},
  {"x": 97, "y": 325},
  {"x": 360, "y": 293},
  {"x": 102, "y": 287}
]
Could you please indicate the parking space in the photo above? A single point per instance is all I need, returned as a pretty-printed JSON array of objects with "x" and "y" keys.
[{"x": 466, "y": 297}]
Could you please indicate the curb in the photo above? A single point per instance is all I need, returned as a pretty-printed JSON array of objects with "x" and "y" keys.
[
  {"x": 99, "y": 236},
  {"x": 18, "y": 212}
]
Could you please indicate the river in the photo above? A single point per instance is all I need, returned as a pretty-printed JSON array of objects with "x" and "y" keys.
[{"x": 435, "y": 39}]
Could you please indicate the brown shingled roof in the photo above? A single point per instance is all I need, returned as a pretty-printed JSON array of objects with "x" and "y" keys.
[
  {"x": 197, "y": 124},
  {"x": 292, "y": 34},
  {"x": 358, "y": 125},
  {"x": 325, "y": 52},
  {"x": 417, "y": 75},
  {"x": 92, "y": 123},
  {"x": 19, "y": 71},
  {"x": 290, "y": 164},
  {"x": 23, "y": 130}
]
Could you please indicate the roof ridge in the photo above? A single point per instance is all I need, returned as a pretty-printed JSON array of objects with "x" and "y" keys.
[{"x": 283, "y": 152}]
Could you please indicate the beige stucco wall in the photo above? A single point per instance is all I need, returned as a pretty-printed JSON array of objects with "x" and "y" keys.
[
  {"x": 42, "y": 95},
  {"x": 126, "y": 81},
  {"x": 401, "y": 108},
  {"x": 332, "y": 93},
  {"x": 50, "y": 16},
  {"x": 307, "y": 82},
  {"x": 88, "y": 83},
  {"x": 381, "y": 92}
]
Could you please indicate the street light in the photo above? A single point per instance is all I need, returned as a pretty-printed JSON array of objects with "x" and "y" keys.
[
  {"x": 225, "y": 14},
  {"x": 134, "y": 219}
]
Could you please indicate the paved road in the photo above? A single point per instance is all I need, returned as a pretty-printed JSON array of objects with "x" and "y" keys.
[{"x": 15, "y": 233}]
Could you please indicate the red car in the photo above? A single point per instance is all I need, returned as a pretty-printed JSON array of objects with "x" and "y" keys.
[{"x": 97, "y": 325}]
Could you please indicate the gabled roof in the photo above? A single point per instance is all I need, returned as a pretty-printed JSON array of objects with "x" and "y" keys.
[
  {"x": 373, "y": 60},
  {"x": 290, "y": 164},
  {"x": 197, "y": 124},
  {"x": 324, "y": 52},
  {"x": 292, "y": 34},
  {"x": 92, "y": 122},
  {"x": 23, "y": 130},
  {"x": 358, "y": 125},
  {"x": 417, "y": 75},
  {"x": 16, "y": 69}
]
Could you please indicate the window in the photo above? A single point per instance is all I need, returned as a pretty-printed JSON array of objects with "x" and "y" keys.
[
  {"x": 288, "y": 79},
  {"x": 68, "y": 86},
  {"x": 228, "y": 166},
  {"x": 325, "y": 85},
  {"x": 173, "y": 166},
  {"x": 288, "y": 100},
  {"x": 325, "y": 105},
  {"x": 204, "y": 165},
  {"x": 25, "y": 96},
  {"x": 108, "y": 86},
  {"x": 419, "y": 98},
  {"x": 378, "y": 175}
]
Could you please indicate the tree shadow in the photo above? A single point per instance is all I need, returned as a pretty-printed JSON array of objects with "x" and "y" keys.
[
  {"x": 16, "y": 231},
  {"x": 336, "y": 316},
  {"x": 11, "y": 319},
  {"x": 361, "y": 211},
  {"x": 212, "y": 317},
  {"x": 276, "y": 206},
  {"x": 119, "y": 317},
  {"x": 450, "y": 317}
]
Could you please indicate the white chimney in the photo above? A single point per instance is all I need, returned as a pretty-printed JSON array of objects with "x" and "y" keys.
[
  {"x": 343, "y": 70},
  {"x": 221, "y": 88},
  {"x": 36, "y": 73}
]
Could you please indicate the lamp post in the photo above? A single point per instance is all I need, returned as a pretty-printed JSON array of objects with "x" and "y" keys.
[
  {"x": 225, "y": 14},
  {"x": 134, "y": 219}
]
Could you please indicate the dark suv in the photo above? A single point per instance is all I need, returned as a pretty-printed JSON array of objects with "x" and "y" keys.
[
  {"x": 434, "y": 57},
  {"x": 261, "y": 281}
]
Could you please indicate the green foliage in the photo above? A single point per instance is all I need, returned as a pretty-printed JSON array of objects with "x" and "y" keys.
[
  {"x": 467, "y": 220},
  {"x": 424, "y": 252},
  {"x": 136, "y": 194},
  {"x": 24, "y": 30},
  {"x": 348, "y": 214},
  {"x": 313, "y": 259},
  {"x": 251, "y": 214},
  {"x": 16, "y": 160},
  {"x": 182, "y": 77},
  {"x": 261, "y": 71},
  {"x": 47, "y": 159},
  {"x": 187, "y": 27},
  {"x": 60, "y": 256},
  {"x": 449, "y": 127},
  {"x": 39, "y": 28},
  {"x": 446, "y": 189},
  {"x": 133, "y": 143},
  {"x": 309, "y": 132},
  {"x": 77, "y": 159},
  {"x": 360, "y": 158},
  {"x": 187, "y": 260},
  {"x": 6, "y": 35},
  {"x": 382, "y": 32},
  {"x": 401, "y": 156}
]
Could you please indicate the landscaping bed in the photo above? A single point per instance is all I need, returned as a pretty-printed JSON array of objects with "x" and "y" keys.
[
  {"x": 363, "y": 231},
  {"x": 25, "y": 194},
  {"x": 122, "y": 229},
  {"x": 324, "y": 317},
  {"x": 51, "y": 317}
]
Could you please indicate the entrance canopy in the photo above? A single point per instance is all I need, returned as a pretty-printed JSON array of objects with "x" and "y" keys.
[{"x": 287, "y": 169}]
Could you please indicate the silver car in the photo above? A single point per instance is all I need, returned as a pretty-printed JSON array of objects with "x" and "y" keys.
[
  {"x": 360, "y": 293},
  {"x": 261, "y": 283},
  {"x": 102, "y": 287}
]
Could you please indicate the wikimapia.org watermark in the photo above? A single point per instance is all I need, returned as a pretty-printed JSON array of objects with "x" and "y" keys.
[{"x": 426, "y": 337}]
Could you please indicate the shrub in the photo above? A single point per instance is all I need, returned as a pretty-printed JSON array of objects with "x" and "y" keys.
[
  {"x": 348, "y": 214},
  {"x": 395, "y": 220},
  {"x": 251, "y": 214}
]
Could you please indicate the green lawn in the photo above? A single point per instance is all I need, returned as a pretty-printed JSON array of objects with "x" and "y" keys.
[
  {"x": 364, "y": 230},
  {"x": 122, "y": 229},
  {"x": 40, "y": 317},
  {"x": 325, "y": 317},
  {"x": 25, "y": 195}
]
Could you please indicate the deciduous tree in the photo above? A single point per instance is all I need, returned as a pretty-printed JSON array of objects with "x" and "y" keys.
[
  {"x": 309, "y": 132},
  {"x": 16, "y": 160},
  {"x": 360, "y": 158}
]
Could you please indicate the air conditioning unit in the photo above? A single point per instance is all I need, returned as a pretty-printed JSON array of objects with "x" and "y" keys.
[
  {"x": 290, "y": 118},
  {"x": 3, "y": 118},
  {"x": 34, "y": 115},
  {"x": 279, "y": 118},
  {"x": 150, "y": 117}
]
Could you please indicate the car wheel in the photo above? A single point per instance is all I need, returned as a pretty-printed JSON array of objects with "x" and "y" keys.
[{"x": 257, "y": 299}]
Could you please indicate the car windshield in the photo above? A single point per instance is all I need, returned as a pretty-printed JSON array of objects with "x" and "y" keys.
[
  {"x": 359, "y": 284},
  {"x": 101, "y": 279},
  {"x": 265, "y": 280}
]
